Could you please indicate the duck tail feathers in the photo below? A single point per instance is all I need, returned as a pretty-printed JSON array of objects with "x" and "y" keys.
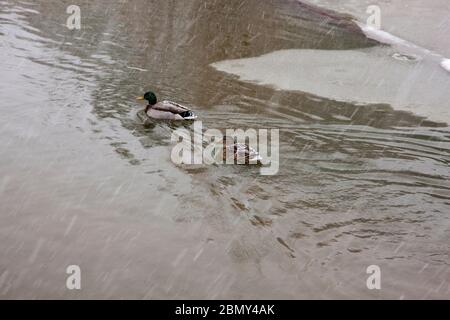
[{"x": 188, "y": 115}]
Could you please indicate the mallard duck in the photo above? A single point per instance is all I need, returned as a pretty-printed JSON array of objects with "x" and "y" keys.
[
  {"x": 167, "y": 110},
  {"x": 239, "y": 151}
]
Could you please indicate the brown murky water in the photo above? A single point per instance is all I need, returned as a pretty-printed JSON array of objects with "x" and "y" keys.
[{"x": 84, "y": 182}]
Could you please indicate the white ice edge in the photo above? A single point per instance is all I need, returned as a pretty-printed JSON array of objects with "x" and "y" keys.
[
  {"x": 445, "y": 63},
  {"x": 388, "y": 38}
]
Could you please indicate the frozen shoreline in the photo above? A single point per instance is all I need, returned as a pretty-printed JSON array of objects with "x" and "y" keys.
[
  {"x": 406, "y": 75},
  {"x": 423, "y": 30},
  {"x": 404, "y": 46},
  {"x": 363, "y": 76},
  {"x": 424, "y": 23}
]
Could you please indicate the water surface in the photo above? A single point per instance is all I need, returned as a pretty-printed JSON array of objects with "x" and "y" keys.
[{"x": 83, "y": 181}]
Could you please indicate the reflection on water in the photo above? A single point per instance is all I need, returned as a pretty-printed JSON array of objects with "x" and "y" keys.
[{"x": 84, "y": 181}]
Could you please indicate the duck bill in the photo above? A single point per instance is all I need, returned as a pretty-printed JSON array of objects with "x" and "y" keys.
[{"x": 140, "y": 98}]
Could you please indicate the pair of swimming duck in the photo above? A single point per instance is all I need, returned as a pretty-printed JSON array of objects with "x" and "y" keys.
[{"x": 169, "y": 110}]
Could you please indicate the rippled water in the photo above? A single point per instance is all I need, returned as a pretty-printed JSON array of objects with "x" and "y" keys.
[{"x": 84, "y": 182}]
